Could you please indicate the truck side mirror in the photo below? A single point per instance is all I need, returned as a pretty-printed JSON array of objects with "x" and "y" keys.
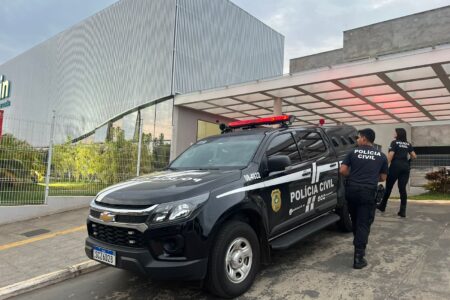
[{"x": 278, "y": 163}]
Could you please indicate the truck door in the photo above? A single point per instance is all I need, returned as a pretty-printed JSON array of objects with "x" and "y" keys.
[
  {"x": 321, "y": 190},
  {"x": 282, "y": 209}
]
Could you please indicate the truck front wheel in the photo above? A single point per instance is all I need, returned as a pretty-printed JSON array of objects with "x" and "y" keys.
[
  {"x": 345, "y": 223},
  {"x": 234, "y": 260}
]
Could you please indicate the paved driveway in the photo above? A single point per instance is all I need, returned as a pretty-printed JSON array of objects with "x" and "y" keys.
[{"x": 408, "y": 259}]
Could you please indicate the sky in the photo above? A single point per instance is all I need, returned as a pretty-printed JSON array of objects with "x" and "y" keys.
[{"x": 309, "y": 26}]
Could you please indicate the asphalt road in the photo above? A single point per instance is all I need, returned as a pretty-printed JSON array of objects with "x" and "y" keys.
[{"x": 408, "y": 259}]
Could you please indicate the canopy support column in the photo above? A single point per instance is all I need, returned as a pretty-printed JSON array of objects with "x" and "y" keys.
[{"x": 277, "y": 106}]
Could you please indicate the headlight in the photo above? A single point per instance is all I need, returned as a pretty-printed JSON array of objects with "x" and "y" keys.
[{"x": 178, "y": 210}]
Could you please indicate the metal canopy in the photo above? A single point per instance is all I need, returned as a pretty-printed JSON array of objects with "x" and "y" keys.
[{"x": 408, "y": 87}]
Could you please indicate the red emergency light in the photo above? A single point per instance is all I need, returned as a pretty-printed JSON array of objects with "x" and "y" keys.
[{"x": 262, "y": 121}]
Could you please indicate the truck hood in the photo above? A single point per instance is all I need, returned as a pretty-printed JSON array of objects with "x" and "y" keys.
[{"x": 166, "y": 186}]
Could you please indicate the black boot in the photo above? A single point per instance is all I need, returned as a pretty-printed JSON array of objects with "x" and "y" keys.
[
  {"x": 402, "y": 211},
  {"x": 359, "y": 261},
  {"x": 382, "y": 206}
]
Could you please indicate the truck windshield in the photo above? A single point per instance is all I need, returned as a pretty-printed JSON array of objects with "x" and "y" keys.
[{"x": 222, "y": 152}]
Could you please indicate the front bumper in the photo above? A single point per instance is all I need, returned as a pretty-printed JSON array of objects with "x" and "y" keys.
[{"x": 141, "y": 261}]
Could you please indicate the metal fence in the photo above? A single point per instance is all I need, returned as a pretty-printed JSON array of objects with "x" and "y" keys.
[
  {"x": 40, "y": 160},
  {"x": 426, "y": 163},
  {"x": 431, "y": 160}
]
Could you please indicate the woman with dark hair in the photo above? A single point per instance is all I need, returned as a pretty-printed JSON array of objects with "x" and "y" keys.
[{"x": 399, "y": 150}]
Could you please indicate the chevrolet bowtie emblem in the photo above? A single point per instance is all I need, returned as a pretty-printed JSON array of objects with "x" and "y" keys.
[{"x": 106, "y": 216}]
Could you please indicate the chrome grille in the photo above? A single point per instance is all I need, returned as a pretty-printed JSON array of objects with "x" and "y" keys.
[{"x": 122, "y": 218}]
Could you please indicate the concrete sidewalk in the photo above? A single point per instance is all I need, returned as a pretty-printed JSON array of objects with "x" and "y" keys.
[
  {"x": 46, "y": 250},
  {"x": 41, "y": 246}
]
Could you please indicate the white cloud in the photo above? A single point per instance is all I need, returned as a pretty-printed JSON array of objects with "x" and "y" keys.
[
  {"x": 312, "y": 26},
  {"x": 282, "y": 18},
  {"x": 309, "y": 26},
  {"x": 380, "y": 3},
  {"x": 300, "y": 49}
]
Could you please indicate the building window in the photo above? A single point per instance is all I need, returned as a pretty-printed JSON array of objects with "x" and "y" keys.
[
  {"x": 148, "y": 121},
  {"x": 100, "y": 134},
  {"x": 131, "y": 131},
  {"x": 163, "y": 121},
  {"x": 205, "y": 129},
  {"x": 156, "y": 136}
]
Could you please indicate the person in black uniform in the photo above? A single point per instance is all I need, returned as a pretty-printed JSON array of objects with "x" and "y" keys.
[
  {"x": 398, "y": 169},
  {"x": 364, "y": 167}
]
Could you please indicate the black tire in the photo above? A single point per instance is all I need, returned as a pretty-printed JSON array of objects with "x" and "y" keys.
[
  {"x": 241, "y": 236},
  {"x": 345, "y": 223}
]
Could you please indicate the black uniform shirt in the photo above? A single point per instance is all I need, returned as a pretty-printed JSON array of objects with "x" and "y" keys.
[
  {"x": 366, "y": 164},
  {"x": 401, "y": 150}
]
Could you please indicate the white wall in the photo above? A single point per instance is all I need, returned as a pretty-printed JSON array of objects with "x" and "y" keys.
[
  {"x": 11, "y": 214},
  {"x": 437, "y": 135}
]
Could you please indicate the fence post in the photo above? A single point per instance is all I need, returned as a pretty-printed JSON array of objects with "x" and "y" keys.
[
  {"x": 138, "y": 167},
  {"x": 49, "y": 158}
]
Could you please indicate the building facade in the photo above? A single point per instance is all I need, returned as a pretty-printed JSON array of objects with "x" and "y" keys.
[{"x": 122, "y": 66}]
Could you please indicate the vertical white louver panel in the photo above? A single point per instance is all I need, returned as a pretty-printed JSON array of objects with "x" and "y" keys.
[
  {"x": 220, "y": 44},
  {"x": 111, "y": 62},
  {"x": 122, "y": 57}
]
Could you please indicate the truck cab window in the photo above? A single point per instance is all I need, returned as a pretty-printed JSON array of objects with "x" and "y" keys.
[
  {"x": 335, "y": 142},
  {"x": 219, "y": 152},
  {"x": 310, "y": 144},
  {"x": 284, "y": 144}
]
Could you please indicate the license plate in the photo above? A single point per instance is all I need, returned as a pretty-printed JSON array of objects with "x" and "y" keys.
[{"x": 104, "y": 255}]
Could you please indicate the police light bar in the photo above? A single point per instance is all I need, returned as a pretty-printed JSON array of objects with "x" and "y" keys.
[{"x": 262, "y": 121}]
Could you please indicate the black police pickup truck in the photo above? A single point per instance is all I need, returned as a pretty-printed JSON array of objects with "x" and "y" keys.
[{"x": 219, "y": 209}]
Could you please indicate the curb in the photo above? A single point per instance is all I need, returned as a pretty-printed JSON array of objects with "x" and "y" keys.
[
  {"x": 49, "y": 279},
  {"x": 424, "y": 201}
]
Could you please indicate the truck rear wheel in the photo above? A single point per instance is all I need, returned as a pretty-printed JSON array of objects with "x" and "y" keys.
[{"x": 234, "y": 260}]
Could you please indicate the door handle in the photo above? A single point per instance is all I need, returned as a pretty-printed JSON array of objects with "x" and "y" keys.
[
  {"x": 307, "y": 173},
  {"x": 333, "y": 165}
]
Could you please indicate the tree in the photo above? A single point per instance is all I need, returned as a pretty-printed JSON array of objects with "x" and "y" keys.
[
  {"x": 64, "y": 160},
  {"x": 161, "y": 153},
  {"x": 87, "y": 161},
  {"x": 118, "y": 158},
  {"x": 146, "y": 154},
  {"x": 20, "y": 153}
]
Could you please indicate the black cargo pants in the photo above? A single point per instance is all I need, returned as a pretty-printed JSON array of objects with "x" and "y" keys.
[
  {"x": 399, "y": 170},
  {"x": 361, "y": 206}
]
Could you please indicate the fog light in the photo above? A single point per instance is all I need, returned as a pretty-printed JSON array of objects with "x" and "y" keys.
[
  {"x": 95, "y": 233},
  {"x": 173, "y": 245}
]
